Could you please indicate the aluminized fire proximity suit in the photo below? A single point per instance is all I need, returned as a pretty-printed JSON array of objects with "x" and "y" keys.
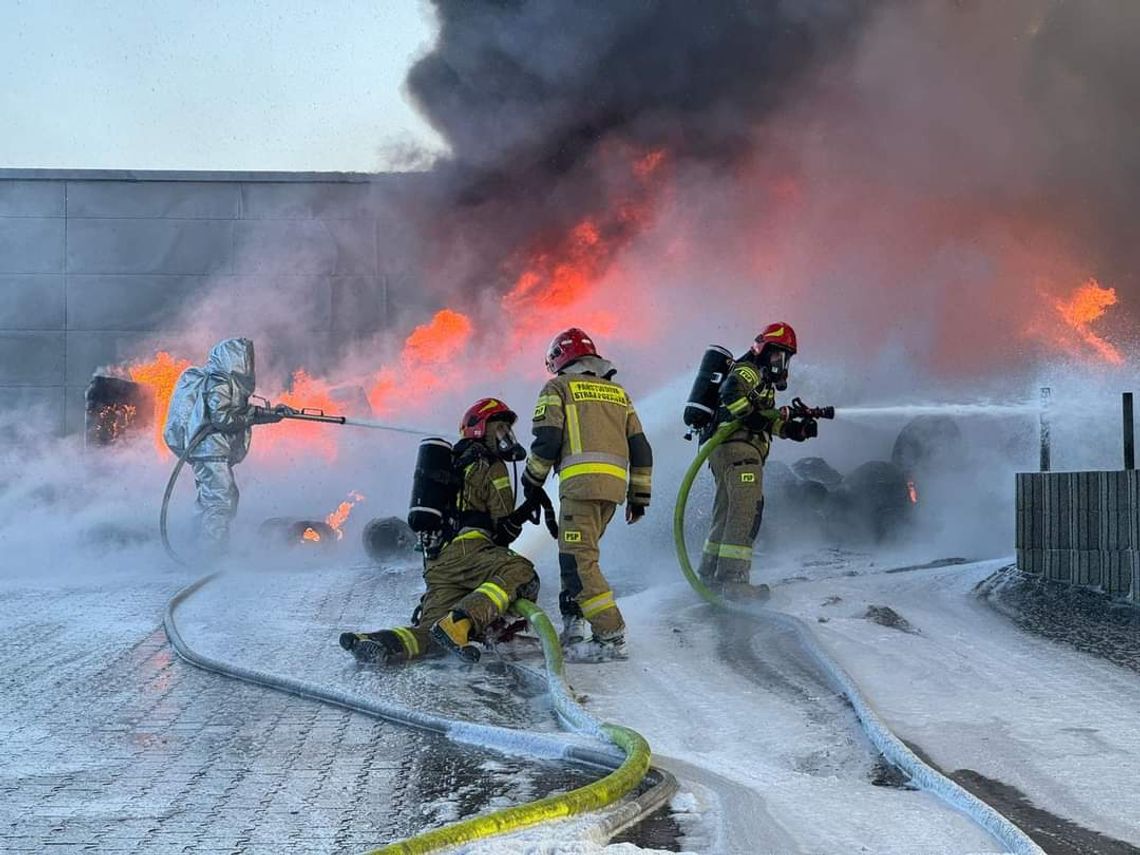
[
  {"x": 586, "y": 428},
  {"x": 214, "y": 400},
  {"x": 738, "y": 467},
  {"x": 475, "y": 573}
]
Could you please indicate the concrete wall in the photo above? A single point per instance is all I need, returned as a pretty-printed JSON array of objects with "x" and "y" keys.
[
  {"x": 94, "y": 264},
  {"x": 1082, "y": 528}
]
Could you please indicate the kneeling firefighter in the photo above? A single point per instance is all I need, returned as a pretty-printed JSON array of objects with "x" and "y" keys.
[
  {"x": 208, "y": 422},
  {"x": 748, "y": 394},
  {"x": 463, "y": 507}
]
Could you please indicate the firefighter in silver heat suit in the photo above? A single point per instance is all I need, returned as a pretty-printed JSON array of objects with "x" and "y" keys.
[{"x": 211, "y": 404}]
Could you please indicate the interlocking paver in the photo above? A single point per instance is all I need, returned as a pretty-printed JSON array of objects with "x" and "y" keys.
[{"x": 115, "y": 745}]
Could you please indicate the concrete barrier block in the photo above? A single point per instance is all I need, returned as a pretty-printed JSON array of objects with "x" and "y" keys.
[
  {"x": 291, "y": 200},
  {"x": 31, "y": 198},
  {"x": 31, "y": 245},
  {"x": 43, "y": 404},
  {"x": 31, "y": 358},
  {"x": 149, "y": 246},
  {"x": 332, "y": 247},
  {"x": 88, "y": 351},
  {"x": 1095, "y": 571},
  {"x": 219, "y": 200},
  {"x": 303, "y": 303},
  {"x": 31, "y": 301},
  {"x": 129, "y": 302},
  {"x": 74, "y": 409}
]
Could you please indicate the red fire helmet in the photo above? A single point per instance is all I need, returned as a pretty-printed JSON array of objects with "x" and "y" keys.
[
  {"x": 778, "y": 335},
  {"x": 567, "y": 346},
  {"x": 474, "y": 424}
]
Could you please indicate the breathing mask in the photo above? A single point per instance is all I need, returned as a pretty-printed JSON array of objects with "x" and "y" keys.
[
  {"x": 503, "y": 442},
  {"x": 774, "y": 366}
]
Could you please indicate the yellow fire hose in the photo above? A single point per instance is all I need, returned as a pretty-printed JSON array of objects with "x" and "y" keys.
[
  {"x": 703, "y": 453},
  {"x": 593, "y": 796}
]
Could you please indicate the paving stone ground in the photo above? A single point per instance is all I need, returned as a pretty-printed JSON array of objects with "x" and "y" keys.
[{"x": 112, "y": 744}]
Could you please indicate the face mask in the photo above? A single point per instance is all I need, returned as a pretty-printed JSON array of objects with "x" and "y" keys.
[
  {"x": 505, "y": 445},
  {"x": 775, "y": 367}
]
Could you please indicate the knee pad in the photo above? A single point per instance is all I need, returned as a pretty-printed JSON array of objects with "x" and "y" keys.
[{"x": 528, "y": 590}]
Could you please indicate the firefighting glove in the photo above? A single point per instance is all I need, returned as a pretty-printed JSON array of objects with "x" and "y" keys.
[
  {"x": 800, "y": 429},
  {"x": 634, "y": 512},
  {"x": 263, "y": 416},
  {"x": 531, "y": 486}
]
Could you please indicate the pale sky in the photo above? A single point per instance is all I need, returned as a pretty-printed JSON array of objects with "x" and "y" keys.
[{"x": 209, "y": 84}]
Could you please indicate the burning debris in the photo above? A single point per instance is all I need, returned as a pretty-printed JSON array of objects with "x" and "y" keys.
[
  {"x": 116, "y": 411},
  {"x": 303, "y": 532},
  {"x": 339, "y": 517}
]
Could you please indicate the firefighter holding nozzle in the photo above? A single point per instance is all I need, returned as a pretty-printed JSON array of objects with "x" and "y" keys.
[
  {"x": 748, "y": 395},
  {"x": 463, "y": 508},
  {"x": 209, "y": 422}
]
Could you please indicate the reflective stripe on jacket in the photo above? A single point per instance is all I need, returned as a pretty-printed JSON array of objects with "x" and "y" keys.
[
  {"x": 586, "y": 428},
  {"x": 744, "y": 396}
]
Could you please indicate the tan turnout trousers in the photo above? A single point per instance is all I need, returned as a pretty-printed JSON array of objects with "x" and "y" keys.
[
  {"x": 737, "y": 511},
  {"x": 473, "y": 576},
  {"x": 585, "y": 591}
]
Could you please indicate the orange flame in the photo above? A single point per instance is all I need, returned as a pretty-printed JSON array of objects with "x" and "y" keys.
[
  {"x": 159, "y": 376},
  {"x": 338, "y": 517},
  {"x": 912, "y": 492},
  {"x": 429, "y": 360},
  {"x": 1088, "y": 304},
  {"x": 298, "y": 436},
  {"x": 311, "y": 535}
]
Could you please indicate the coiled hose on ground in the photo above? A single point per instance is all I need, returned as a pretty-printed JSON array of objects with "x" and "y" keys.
[
  {"x": 893, "y": 749},
  {"x": 630, "y": 763}
]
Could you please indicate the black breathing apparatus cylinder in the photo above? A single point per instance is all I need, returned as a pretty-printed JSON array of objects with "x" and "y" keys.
[
  {"x": 434, "y": 486},
  {"x": 700, "y": 409}
]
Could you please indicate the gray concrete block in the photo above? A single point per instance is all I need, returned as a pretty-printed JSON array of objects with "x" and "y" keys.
[
  {"x": 74, "y": 409},
  {"x": 129, "y": 302},
  {"x": 31, "y": 301},
  {"x": 219, "y": 200},
  {"x": 300, "y": 303},
  {"x": 88, "y": 351},
  {"x": 31, "y": 245},
  {"x": 45, "y": 404},
  {"x": 359, "y": 304},
  {"x": 149, "y": 246},
  {"x": 31, "y": 198},
  {"x": 31, "y": 358},
  {"x": 309, "y": 201},
  {"x": 333, "y": 247}
]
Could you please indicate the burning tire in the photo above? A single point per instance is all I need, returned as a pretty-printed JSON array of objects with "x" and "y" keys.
[
  {"x": 290, "y": 532},
  {"x": 388, "y": 538},
  {"x": 116, "y": 410}
]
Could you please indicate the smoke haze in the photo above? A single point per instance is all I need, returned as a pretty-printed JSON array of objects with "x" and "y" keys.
[{"x": 914, "y": 186}]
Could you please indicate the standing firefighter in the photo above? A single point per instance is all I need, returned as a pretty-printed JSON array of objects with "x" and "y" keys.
[
  {"x": 471, "y": 575},
  {"x": 208, "y": 421},
  {"x": 587, "y": 429},
  {"x": 748, "y": 395}
]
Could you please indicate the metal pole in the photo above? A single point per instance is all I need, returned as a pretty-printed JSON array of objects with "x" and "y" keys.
[
  {"x": 1046, "y": 399},
  {"x": 1129, "y": 431}
]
